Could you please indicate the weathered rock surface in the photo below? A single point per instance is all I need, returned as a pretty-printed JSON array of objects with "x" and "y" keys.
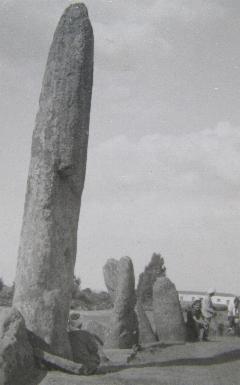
[
  {"x": 16, "y": 354},
  {"x": 110, "y": 274},
  {"x": 55, "y": 182},
  {"x": 168, "y": 315},
  {"x": 84, "y": 349},
  {"x": 123, "y": 328},
  {"x": 146, "y": 334}
]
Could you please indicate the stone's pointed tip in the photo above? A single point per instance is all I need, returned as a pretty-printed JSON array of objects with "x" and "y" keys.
[{"x": 76, "y": 10}]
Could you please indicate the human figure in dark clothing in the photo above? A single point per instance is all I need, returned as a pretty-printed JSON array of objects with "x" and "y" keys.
[
  {"x": 196, "y": 325},
  {"x": 234, "y": 317}
]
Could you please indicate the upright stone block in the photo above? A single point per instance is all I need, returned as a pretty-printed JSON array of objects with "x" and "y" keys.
[
  {"x": 123, "y": 329},
  {"x": 48, "y": 240},
  {"x": 168, "y": 315},
  {"x": 110, "y": 274}
]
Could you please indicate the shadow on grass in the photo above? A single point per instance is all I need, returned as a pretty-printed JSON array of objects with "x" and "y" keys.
[{"x": 222, "y": 358}]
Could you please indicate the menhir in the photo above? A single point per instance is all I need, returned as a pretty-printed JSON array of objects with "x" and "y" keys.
[
  {"x": 48, "y": 241},
  {"x": 168, "y": 317},
  {"x": 123, "y": 328}
]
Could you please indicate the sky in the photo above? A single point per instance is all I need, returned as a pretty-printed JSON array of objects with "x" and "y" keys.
[{"x": 163, "y": 170}]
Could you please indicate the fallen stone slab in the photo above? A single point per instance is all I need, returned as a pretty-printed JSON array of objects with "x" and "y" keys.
[{"x": 55, "y": 362}]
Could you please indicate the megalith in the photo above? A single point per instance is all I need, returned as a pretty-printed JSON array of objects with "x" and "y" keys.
[
  {"x": 146, "y": 280},
  {"x": 17, "y": 366},
  {"x": 123, "y": 327},
  {"x": 168, "y": 317},
  {"x": 146, "y": 334},
  {"x": 110, "y": 274},
  {"x": 56, "y": 176}
]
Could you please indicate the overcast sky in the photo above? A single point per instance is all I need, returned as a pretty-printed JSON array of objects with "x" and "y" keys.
[{"x": 163, "y": 170}]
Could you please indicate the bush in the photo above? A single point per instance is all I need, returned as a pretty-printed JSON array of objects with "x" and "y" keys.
[
  {"x": 87, "y": 299},
  {"x": 1, "y": 284},
  {"x": 6, "y": 295}
]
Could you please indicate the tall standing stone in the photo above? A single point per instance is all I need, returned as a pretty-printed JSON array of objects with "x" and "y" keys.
[
  {"x": 168, "y": 315},
  {"x": 147, "y": 278},
  {"x": 123, "y": 328},
  {"x": 110, "y": 274},
  {"x": 48, "y": 240}
]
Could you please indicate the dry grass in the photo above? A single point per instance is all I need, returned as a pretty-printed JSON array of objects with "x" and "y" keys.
[{"x": 213, "y": 363}]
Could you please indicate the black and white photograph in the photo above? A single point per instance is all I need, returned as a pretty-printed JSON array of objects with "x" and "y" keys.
[{"x": 119, "y": 192}]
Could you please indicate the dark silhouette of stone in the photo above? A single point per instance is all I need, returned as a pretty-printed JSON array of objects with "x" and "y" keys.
[
  {"x": 146, "y": 334},
  {"x": 168, "y": 315},
  {"x": 147, "y": 278},
  {"x": 123, "y": 328},
  {"x": 16, "y": 354},
  {"x": 48, "y": 241},
  {"x": 110, "y": 274}
]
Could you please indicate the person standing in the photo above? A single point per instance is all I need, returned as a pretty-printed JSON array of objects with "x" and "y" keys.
[
  {"x": 208, "y": 310},
  {"x": 233, "y": 316}
]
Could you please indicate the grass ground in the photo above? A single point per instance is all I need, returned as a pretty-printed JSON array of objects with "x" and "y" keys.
[{"x": 212, "y": 363}]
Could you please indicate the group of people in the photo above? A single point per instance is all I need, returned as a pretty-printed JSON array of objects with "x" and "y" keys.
[
  {"x": 199, "y": 317},
  {"x": 201, "y": 313}
]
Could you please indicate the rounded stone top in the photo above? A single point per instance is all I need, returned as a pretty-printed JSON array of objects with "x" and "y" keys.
[
  {"x": 76, "y": 10},
  {"x": 126, "y": 259}
]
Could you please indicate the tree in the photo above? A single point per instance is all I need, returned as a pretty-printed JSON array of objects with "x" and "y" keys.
[
  {"x": 1, "y": 284},
  {"x": 152, "y": 271}
]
